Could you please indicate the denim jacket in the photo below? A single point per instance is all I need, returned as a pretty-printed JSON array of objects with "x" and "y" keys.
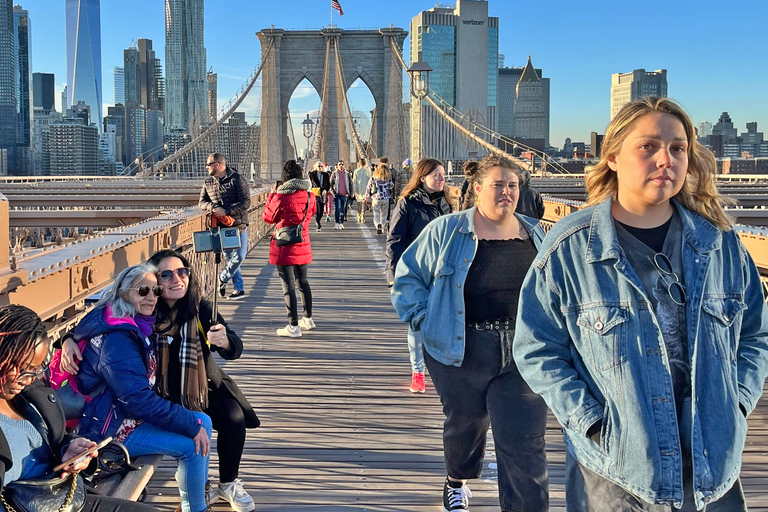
[
  {"x": 428, "y": 290},
  {"x": 588, "y": 341}
]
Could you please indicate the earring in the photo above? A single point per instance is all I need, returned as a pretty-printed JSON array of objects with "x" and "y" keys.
[{"x": 477, "y": 201}]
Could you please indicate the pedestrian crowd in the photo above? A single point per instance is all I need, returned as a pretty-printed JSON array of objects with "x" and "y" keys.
[{"x": 639, "y": 322}]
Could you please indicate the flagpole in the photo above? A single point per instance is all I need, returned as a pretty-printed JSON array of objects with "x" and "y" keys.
[{"x": 331, "y": 15}]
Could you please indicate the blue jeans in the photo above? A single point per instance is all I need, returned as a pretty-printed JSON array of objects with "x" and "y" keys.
[
  {"x": 235, "y": 258},
  {"x": 193, "y": 468},
  {"x": 416, "y": 351},
  {"x": 340, "y": 202}
]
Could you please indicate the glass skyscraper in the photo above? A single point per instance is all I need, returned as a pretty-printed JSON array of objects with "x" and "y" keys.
[
  {"x": 186, "y": 84},
  {"x": 22, "y": 39},
  {"x": 7, "y": 82},
  {"x": 84, "y": 56}
]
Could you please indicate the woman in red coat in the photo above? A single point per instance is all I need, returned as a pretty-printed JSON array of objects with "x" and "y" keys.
[{"x": 291, "y": 204}]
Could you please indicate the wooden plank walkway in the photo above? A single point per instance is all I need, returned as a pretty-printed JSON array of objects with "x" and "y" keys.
[{"x": 340, "y": 430}]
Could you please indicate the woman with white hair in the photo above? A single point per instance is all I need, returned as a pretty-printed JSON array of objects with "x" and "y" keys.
[{"x": 119, "y": 370}]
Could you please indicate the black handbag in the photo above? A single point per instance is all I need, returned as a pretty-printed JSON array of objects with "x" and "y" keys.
[
  {"x": 287, "y": 235},
  {"x": 45, "y": 495}
]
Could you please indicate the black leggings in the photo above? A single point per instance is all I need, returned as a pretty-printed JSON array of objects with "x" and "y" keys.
[
  {"x": 289, "y": 275},
  {"x": 320, "y": 210},
  {"x": 228, "y": 420}
]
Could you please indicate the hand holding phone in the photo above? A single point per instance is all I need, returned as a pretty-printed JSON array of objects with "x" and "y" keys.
[{"x": 81, "y": 456}]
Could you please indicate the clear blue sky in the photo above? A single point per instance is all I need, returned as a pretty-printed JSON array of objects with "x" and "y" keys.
[{"x": 714, "y": 52}]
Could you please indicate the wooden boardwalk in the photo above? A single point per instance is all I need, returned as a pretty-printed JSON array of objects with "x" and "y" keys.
[{"x": 340, "y": 430}]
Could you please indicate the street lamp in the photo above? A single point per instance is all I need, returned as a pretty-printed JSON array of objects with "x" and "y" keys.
[
  {"x": 419, "y": 75},
  {"x": 308, "y": 127}
]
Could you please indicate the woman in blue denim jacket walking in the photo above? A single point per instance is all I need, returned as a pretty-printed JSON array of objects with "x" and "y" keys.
[
  {"x": 457, "y": 286},
  {"x": 642, "y": 323}
]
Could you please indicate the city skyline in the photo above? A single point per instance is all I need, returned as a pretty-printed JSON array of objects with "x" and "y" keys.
[{"x": 578, "y": 48}]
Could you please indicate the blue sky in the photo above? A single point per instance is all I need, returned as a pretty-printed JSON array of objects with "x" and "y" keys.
[{"x": 714, "y": 52}]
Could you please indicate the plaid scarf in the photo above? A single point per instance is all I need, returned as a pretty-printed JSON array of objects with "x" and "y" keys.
[{"x": 194, "y": 381}]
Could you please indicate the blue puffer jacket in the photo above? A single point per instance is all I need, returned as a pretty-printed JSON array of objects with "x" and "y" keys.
[{"x": 116, "y": 359}]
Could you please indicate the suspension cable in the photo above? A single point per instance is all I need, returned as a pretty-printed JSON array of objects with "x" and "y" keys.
[
  {"x": 342, "y": 82},
  {"x": 322, "y": 118}
]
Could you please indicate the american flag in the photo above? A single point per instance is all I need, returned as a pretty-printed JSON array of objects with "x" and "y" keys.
[{"x": 336, "y": 5}]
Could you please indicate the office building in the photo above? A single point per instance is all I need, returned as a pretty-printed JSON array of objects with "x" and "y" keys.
[
  {"x": 531, "y": 106},
  {"x": 22, "y": 39},
  {"x": 70, "y": 148},
  {"x": 461, "y": 44},
  {"x": 119, "y": 78},
  {"x": 7, "y": 83},
  {"x": 627, "y": 87},
  {"x": 43, "y": 85},
  {"x": 186, "y": 86},
  {"x": 213, "y": 88},
  {"x": 115, "y": 122},
  {"x": 42, "y": 120},
  {"x": 705, "y": 129},
  {"x": 84, "y": 56}
]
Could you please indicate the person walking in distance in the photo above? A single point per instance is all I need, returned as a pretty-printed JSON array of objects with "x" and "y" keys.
[
  {"x": 530, "y": 204},
  {"x": 378, "y": 192},
  {"x": 422, "y": 200},
  {"x": 321, "y": 185},
  {"x": 341, "y": 187},
  {"x": 226, "y": 197},
  {"x": 290, "y": 204},
  {"x": 642, "y": 323},
  {"x": 359, "y": 183}
]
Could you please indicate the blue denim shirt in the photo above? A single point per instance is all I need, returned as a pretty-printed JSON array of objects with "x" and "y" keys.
[
  {"x": 588, "y": 341},
  {"x": 428, "y": 290}
]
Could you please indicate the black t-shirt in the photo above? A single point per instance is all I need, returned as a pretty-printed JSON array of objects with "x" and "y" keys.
[{"x": 492, "y": 288}]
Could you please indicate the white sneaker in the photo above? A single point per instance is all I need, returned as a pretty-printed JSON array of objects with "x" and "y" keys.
[
  {"x": 211, "y": 493},
  {"x": 307, "y": 324},
  {"x": 341, "y": 226},
  {"x": 291, "y": 331},
  {"x": 336, "y": 226},
  {"x": 239, "y": 500}
]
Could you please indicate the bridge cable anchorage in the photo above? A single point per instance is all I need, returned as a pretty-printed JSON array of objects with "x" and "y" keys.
[
  {"x": 323, "y": 117},
  {"x": 197, "y": 142},
  {"x": 342, "y": 83},
  {"x": 492, "y": 134}
]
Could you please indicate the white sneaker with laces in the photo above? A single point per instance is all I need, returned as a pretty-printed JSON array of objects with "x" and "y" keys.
[
  {"x": 238, "y": 499},
  {"x": 307, "y": 324},
  {"x": 291, "y": 331}
]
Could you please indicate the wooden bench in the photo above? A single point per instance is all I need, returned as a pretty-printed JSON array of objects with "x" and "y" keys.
[{"x": 135, "y": 481}]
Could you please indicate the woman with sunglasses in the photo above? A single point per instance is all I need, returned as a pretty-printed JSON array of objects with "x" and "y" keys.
[
  {"x": 643, "y": 325},
  {"x": 27, "y": 450},
  {"x": 120, "y": 368},
  {"x": 189, "y": 375}
]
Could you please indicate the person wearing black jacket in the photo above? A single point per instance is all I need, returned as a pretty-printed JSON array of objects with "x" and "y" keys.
[
  {"x": 321, "y": 184},
  {"x": 227, "y": 197},
  {"x": 530, "y": 203},
  {"x": 421, "y": 201},
  {"x": 26, "y": 402}
]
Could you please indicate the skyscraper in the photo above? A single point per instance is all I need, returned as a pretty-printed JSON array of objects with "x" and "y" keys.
[
  {"x": 186, "y": 103},
  {"x": 43, "y": 91},
  {"x": 462, "y": 47},
  {"x": 119, "y": 85},
  {"x": 7, "y": 82},
  {"x": 509, "y": 80},
  {"x": 627, "y": 87},
  {"x": 84, "y": 56},
  {"x": 213, "y": 90},
  {"x": 22, "y": 39},
  {"x": 531, "y": 109}
]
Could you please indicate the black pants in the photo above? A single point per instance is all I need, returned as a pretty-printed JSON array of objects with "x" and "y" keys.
[
  {"x": 96, "y": 503},
  {"x": 586, "y": 491},
  {"x": 320, "y": 207},
  {"x": 487, "y": 390},
  {"x": 228, "y": 420},
  {"x": 289, "y": 275}
]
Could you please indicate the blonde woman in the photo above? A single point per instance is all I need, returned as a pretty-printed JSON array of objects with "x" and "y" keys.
[
  {"x": 642, "y": 324},
  {"x": 378, "y": 192}
]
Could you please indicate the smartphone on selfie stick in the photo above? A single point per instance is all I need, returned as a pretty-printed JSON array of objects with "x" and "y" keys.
[{"x": 217, "y": 239}]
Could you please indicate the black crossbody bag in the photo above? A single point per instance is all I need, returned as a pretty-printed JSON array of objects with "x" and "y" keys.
[{"x": 287, "y": 235}]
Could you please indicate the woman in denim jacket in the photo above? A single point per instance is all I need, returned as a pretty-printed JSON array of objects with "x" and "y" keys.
[
  {"x": 457, "y": 286},
  {"x": 642, "y": 323}
]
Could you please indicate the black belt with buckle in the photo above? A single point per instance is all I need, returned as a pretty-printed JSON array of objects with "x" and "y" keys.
[{"x": 507, "y": 324}]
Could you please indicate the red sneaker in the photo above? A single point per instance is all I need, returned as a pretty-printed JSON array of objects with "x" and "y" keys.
[{"x": 417, "y": 383}]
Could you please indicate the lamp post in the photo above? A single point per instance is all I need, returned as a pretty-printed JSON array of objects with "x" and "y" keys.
[
  {"x": 419, "y": 75},
  {"x": 308, "y": 127}
]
